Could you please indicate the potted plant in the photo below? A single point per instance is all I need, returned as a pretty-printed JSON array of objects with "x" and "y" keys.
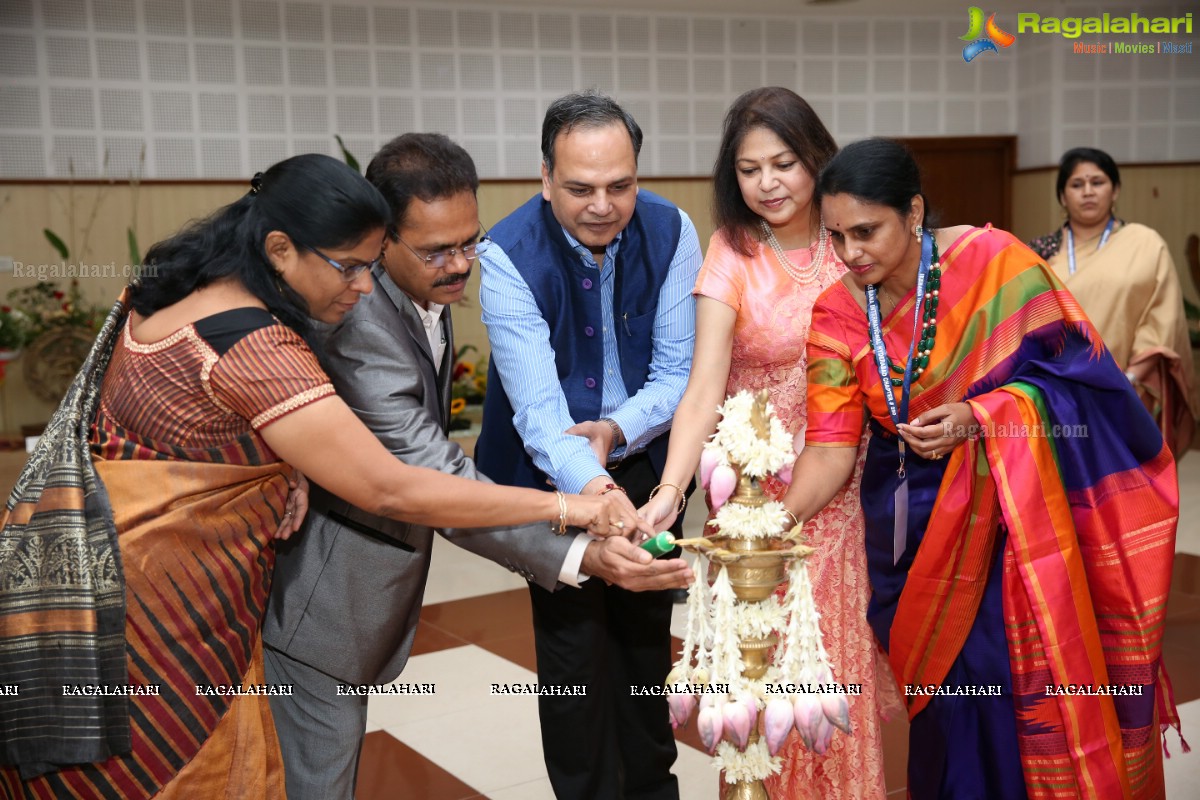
[
  {"x": 60, "y": 326},
  {"x": 14, "y": 334}
]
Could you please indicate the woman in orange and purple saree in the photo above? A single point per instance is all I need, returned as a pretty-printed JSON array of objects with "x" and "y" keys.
[{"x": 1020, "y": 504}]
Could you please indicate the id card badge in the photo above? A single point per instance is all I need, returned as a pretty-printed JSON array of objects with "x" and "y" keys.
[{"x": 900, "y": 531}]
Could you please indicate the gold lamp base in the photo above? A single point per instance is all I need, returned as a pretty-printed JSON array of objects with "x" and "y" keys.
[
  {"x": 748, "y": 790},
  {"x": 756, "y": 568}
]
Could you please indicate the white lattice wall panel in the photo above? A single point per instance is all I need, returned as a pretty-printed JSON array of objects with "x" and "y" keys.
[{"x": 222, "y": 88}]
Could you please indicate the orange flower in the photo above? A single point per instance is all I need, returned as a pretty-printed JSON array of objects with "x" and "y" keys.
[{"x": 457, "y": 405}]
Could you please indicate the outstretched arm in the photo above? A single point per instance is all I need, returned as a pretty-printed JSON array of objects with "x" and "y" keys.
[
  {"x": 332, "y": 447},
  {"x": 381, "y": 372},
  {"x": 696, "y": 418},
  {"x": 836, "y": 410},
  {"x": 818, "y": 475}
]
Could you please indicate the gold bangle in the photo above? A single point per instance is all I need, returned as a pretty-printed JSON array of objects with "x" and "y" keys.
[
  {"x": 795, "y": 519},
  {"x": 562, "y": 514},
  {"x": 680, "y": 506}
]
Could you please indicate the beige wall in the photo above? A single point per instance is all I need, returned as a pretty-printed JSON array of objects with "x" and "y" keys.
[
  {"x": 102, "y": 214},
  {"x": 1165, "y": 197}
]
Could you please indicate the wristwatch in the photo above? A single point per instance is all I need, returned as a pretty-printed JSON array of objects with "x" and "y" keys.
[{"x": 618, "y": 436}]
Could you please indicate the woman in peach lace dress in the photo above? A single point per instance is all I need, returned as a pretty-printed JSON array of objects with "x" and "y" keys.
[{"x": 765, "y": 266}]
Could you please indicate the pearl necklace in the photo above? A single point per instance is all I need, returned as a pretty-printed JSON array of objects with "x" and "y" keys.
[{"x": 807, "y": 276}]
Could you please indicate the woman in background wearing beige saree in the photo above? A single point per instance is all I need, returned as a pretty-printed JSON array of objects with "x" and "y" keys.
[{"x": 1125, "y": 280}]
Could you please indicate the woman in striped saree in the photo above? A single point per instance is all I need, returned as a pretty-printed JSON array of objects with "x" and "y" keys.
[
  {"x": 1020, "y": 503},
  {"x": 135, "y": 557}
]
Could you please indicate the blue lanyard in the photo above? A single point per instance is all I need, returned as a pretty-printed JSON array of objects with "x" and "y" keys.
[
  {"x": 898, "y": 411},
  {"x": 1071, "y": 244}
]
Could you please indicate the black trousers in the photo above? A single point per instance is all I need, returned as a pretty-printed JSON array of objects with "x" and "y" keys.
[{"x": 609, "y": 744}]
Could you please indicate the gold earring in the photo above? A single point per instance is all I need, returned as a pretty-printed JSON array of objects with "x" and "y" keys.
[{"x": 918, "y": 232}]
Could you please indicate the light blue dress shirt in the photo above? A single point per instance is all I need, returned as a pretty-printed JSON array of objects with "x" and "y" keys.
[{"x": 520, "y": 342}]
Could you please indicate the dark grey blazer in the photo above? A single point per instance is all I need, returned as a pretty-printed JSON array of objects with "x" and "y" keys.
[{"x": 348, "y": 586}]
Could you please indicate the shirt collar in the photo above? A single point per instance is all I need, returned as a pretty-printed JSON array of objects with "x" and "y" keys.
[
  {"x": 430, "y": 316},
  {"x": 609, "y": 252}
]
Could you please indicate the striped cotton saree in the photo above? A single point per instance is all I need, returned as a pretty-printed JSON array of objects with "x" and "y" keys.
[
  {"x": 131, "y": 592},
  {"x": 1044, "y": 544}
]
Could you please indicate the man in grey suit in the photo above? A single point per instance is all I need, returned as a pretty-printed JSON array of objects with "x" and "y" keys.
[{"x": 347, "y": 589}]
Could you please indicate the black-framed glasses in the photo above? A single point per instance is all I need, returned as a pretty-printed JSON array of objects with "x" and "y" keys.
[
  {"x": 348, "y": 273},
  {"x": 441, "y": 258}
]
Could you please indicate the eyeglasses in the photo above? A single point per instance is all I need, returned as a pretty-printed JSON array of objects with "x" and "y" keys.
[
  {"x": 442, "y": 258},
  {"x": 348, "y": 273}
]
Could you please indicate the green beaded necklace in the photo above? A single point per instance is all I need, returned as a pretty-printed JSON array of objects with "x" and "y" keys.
[{"x": 928, "y": 323}]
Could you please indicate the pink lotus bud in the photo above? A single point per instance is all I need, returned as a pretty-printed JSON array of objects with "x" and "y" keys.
[
  {"x": 709, "y": 458},
  {"x": 751, "y": 704},
  {"x": 721, "y": 485},
  {"x": 737, "y": 724},
  {"x": 837, "y": 710},
  {"x": 807, "y": 709},
  {"x": 785, "y": 473},
  {"x": 777, "y": 723},
  {"x": 823, "y": 736},
  {"x": 710, "y": 723},
  {"x": 681, "y": 707}
]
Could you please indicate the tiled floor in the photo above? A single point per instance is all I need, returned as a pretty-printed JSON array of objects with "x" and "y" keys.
[{"x": 464, "y": 743}]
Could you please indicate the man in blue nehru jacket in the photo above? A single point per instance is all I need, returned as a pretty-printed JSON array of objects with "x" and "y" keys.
[{"x": 587, "y": 300}]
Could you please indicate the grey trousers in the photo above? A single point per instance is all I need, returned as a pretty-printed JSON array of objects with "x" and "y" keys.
[{"x": 320, "y": 733}]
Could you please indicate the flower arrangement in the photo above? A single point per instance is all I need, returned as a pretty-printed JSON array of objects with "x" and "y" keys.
[
  {"x": 44, "y": 306},
  {"x": 468, "y": 384},
  {"x": 14, "y": 329},
  {"x": 750, "y": 703},
  {"x": 14, "y": 333}
]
